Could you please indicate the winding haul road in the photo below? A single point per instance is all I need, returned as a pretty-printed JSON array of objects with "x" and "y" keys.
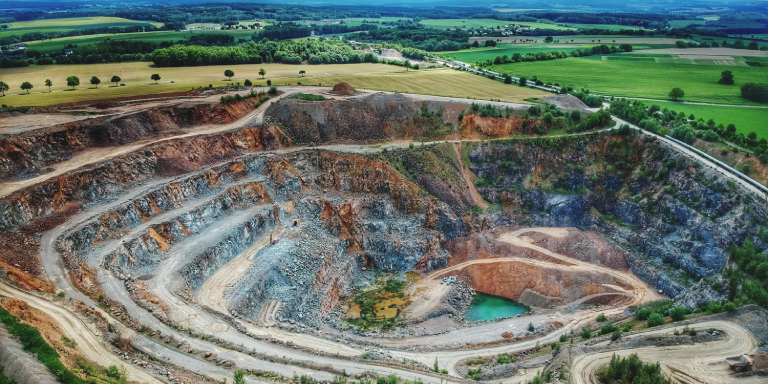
[{"x": 677, "y": 361}]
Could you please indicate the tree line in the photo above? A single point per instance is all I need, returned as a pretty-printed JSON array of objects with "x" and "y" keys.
[{"x": 289, "y": 52}]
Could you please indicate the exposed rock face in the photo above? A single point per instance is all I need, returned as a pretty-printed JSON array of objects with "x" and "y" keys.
[
  {"x": 26, "y": 154},
  {"x": 123, "y": 172},
  {"x": 373, "y": 118},
  {"x": 661, "y": 206}
]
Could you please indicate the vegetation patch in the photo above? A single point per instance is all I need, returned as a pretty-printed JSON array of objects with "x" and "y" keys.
[
  {"x": 378, "y": 308},
  {"x": 32, "y": 341},
  {"x": 631, "y": 370}
]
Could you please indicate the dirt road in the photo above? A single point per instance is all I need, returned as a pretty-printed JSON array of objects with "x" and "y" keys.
[
  {"x": 88, "y": 338},
  {"x": 212, "y": 292},
  {"x": 693, "y": 364}
]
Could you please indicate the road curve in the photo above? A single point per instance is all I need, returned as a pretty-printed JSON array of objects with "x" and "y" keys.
[{"x": 693, "y": 364}]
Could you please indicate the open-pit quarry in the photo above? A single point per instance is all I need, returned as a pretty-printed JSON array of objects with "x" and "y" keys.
[{"x": 343, "y": 237}]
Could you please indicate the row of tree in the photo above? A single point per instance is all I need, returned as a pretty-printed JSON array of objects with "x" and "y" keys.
[
  {"x": 552, "y": 55},
  {"x": 74, "y": 82}
]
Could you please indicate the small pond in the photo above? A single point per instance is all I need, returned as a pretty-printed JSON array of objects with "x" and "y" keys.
[{"x": 488, "y": 307}]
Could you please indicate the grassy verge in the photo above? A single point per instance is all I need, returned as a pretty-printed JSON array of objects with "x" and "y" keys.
[
  {"x": 5, "y": 380},
  {"x": 34, "y": 343}
]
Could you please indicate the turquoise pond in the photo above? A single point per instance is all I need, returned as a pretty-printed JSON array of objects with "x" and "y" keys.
[{"x": 488, "y": 307}]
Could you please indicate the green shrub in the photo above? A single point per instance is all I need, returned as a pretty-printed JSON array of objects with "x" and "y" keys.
[
  {"x": 643, "y": 314},
  {"x": 729, "y": 307},
  {"x": 272, "y": 91},
  {"x": 655, "y": 319},
  {"x": 601, "y": 318},
  {"x": 678, "y": 313},
  {"x": 563, "y": 338},
  {"x": 616, "y": 335},
  {"x": 308, "y": 97},
  {"x": 608, "y": 328},
  {"x": 505, "y": 359},
  {"x": 586, "y": 333}
]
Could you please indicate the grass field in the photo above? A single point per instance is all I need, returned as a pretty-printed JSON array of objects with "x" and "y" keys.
[
  {"x": 485, "y": 23},
  {"x": 441, "y": 82},
  {"x": 244, "y": 23},
  {"x": 610, "y": 27},
  {"x": 56, "y": 45},
  {"x": 746, "y": 119},
  {"x": 685, "y": 23},
  {"x": 482, "y": 54},
  {"x": 642, "y": 78},
  {"x": 69, "y": 24},
  {"x": 351, "y": 21}
]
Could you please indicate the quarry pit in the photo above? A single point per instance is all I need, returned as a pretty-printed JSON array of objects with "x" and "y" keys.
[{"x": 313, "y": 237}]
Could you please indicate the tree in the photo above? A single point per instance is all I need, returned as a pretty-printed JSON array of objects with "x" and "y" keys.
[
  {"x": 676, "y": 93},
  {"x": 3, "y": 87},
  {"x": 523, "y": 81},
  {"x": 95, "y": 81},
  {"x": 248, "y": 83},
  {"x": 726, "y": 77},
  {"x": 49, "y": 84},
  {"x": 73, "y": 81},
  {"x": 655, "y": 319},
  {"x": 239, "y": 377},
  {"x": 155, "y": 77},
  {"x": 26, "y": 86},
  {"x": 678, "y": 313},
  {"x": 757, "y": 92},
  {"x": 115, "y": 79},
  {"x": 548, "y": 118},
  {"x": 576, "y": 115},
  {"x": 228, "y": 73},
  {"x": 302, "y": 72},
  {"x": 507, "y": 79},
  {"x": 752, "y": 46},
  {"x": 262, "y": 72},
  {"x": 548, "y": 39},
  {"x": 269, "y": 83}
]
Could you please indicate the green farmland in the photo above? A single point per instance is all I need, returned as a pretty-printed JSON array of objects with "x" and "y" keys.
[
  {"x": 70, "y": 24},
  {"x": 485, "y": 23},
  {"x": 643, "y": 79},
  {"x": 481, "y": 54},
  {"x": 155, "y": 37}
]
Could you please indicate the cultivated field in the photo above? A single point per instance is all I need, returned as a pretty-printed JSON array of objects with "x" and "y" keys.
[
  {"x": 610, "y": 27},
  {"x": 440, "y": 82},
  {"x": 586, "y": 39},
  {"x": 746, "y": 119},
  {"x": 154, "y": 36},
  {"x": 482, "y": 54},
  {"x": 646, "y": 79},
  {"x": 69, "y": 24},
  {"x": 728, "y": 52},
  {"x": 136, "y": 76},
  {"x": 485, "y": 23},
  {"x": 685, "y": 23}
]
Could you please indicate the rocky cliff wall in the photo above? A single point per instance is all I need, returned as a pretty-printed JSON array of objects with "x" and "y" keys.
[{"x": 26, "y": 154}]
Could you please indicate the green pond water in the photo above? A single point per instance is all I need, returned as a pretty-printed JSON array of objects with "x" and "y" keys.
[{"x": 488, "y": 307}]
